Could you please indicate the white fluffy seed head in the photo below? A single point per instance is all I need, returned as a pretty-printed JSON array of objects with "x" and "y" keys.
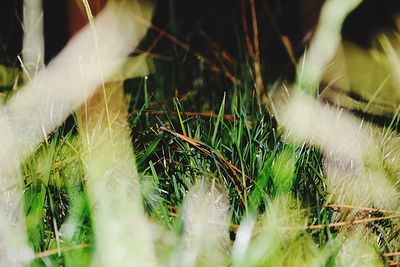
[{"x": 353, "y": 158}]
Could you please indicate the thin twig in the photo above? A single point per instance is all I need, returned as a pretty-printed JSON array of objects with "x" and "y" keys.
[
  {"x": 209, "y": 152},
  {"x": 198, "y": 55},
  {"x": 355, "y": 222},
  {"x": 257, "y": 63},
  {"x": 360, "y": 208},
  {"x": 51, "y": 252},
  {"x": 391, "y": 254},
  {"x": 249, "y": 46}
]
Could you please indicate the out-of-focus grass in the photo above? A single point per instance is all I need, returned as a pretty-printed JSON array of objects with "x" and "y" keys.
[
  {"x": 55, "y": 201},
  {"x": 279, "y": 212},
  {"x": 276, "y": 191}
]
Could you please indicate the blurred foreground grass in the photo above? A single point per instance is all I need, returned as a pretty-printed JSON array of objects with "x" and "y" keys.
[
  {"x": 276, "y": 191},
  {"x": 218, "y": 181}
]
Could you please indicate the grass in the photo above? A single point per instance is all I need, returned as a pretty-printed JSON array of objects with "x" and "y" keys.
[
  {"x": 237, "y": 147},
  {"x": 219, "y": 184}
]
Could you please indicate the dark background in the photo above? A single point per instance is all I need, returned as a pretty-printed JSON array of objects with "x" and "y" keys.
[
  {"x": 202, "y": 24},
  {"x": 220, "y": 21}
]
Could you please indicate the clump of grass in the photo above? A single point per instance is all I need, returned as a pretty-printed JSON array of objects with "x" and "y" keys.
[
  {"x": 210, "y": 186},
  {"x": 281, "y": 219}
]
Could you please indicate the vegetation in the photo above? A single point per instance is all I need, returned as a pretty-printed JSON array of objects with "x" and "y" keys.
[{"x": 218, "y": 182}]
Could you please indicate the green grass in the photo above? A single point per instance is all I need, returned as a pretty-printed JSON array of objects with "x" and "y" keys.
[
  {"x": 222, "y": 143},
  {"x": 238, "y": 149}
]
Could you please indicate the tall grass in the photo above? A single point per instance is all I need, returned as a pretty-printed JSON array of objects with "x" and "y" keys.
[
  {"x": 283, "y": 220},
  {"x": 141, "y": 179}
]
